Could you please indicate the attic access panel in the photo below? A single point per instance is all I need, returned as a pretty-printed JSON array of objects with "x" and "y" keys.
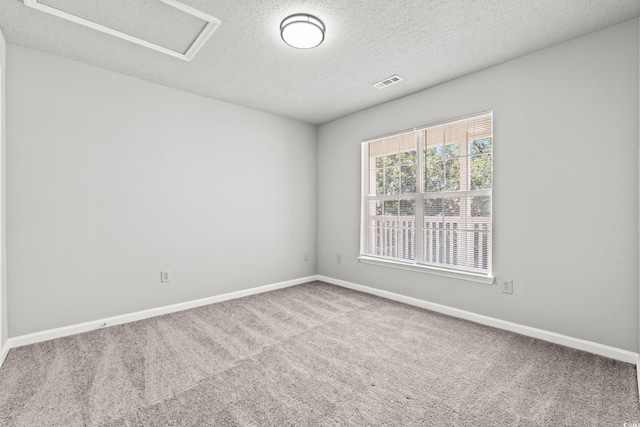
[{"x": 167, "y": 26}]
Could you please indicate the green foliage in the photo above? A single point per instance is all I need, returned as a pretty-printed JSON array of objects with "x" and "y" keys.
[
  {"x": 481, "y": 146},
  {"x": 407, "y": 207},
  {"x": 442, "y": 206},
  {"x": 400, "y": 207},
  {"x": 442, "y": 168},
  {"x": 391, "y": 207},
  {"x": 396, "y": 173},
  {"x": 481, "y": 206},
  {"x": 481, "y": 164}
]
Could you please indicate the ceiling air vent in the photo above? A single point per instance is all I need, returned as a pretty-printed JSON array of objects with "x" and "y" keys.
[{"x": 388, "y": 81}]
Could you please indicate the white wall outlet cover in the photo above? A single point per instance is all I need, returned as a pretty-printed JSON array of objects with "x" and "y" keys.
[
  {"x": 507, "y": 287},
  {"x": 165, "y": 276}
]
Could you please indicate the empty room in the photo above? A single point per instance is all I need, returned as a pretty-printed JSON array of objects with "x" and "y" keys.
[{"x": 319, "y": 213}]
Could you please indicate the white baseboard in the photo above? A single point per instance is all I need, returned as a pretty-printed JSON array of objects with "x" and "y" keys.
[
  {"x": 3, "y": 353},
  {"x": 567, "y": 341},
  {"x": 145, "y": 314},
  {"x": 600, "y": 349}
]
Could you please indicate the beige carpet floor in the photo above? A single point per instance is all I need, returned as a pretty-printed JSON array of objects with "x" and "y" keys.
[{"x": 311, "y": 355}]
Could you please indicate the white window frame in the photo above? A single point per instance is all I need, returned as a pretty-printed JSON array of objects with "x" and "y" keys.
[{"x": 418, "y": 263}]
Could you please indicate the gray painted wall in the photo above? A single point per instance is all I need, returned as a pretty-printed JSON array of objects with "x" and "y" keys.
[
  {"x": 565, "y": 188},
  {"x": 3, "y": 241},
  {"x": 111, "y": 179}
]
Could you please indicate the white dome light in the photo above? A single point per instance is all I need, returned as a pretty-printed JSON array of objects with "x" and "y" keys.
[{"x": 302, "y": 31}]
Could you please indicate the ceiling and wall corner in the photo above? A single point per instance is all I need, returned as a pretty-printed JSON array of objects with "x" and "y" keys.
[{"x": 246, "y": 62}]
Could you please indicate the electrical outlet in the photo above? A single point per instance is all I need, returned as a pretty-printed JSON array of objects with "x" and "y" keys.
[
  {"x": 305, "y": 257},
  {"x": 165, "y": 276},
  {"x": 339, "y": 258},
  {"x": 507, "y": 287}
]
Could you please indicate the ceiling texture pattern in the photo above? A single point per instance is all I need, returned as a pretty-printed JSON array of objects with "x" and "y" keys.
[{"x": 245, "y": 62}]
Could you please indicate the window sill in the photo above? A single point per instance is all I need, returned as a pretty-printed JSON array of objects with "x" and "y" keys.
[{"x": 462, "y": 275}]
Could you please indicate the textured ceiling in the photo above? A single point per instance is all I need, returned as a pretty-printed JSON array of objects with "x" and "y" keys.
[
  {"x": 245, "y": 61},
  {"x": 153, "y": 21}
]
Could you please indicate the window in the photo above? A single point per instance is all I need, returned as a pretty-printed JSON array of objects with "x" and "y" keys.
[{"x": 427, "y": 197}]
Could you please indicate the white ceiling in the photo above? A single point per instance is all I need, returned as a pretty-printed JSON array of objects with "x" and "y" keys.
[{"x": 245, "y": 62}]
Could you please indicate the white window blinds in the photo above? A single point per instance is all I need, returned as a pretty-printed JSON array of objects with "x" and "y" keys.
[{"x": 427, "y": 196}]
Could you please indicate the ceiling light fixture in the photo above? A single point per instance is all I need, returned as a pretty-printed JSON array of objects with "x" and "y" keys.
[{"x": 302, "y": 31}]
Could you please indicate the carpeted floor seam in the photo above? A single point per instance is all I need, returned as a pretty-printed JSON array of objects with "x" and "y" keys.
[{"x": 253, "y": 356}]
